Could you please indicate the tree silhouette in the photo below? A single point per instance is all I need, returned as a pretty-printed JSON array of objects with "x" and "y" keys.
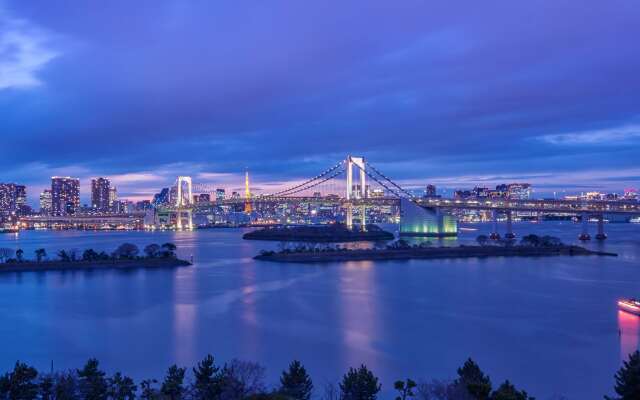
[
  {"x": 482, "y": 240},
  {"x": 295, "y": 383},
  {"x": 151, "y": 250},
  {"x": 92, "y": 382},
  {"x": 507, "y": 391},
  {"x": 121, "y": 387},
  {"x": 627, "y": 385},
  {"x": 19, "y": 255},
  {"x": 147, "y": 391},
  {"x": 127, "y": 250},
  {"x": 359, "y": 384},
  {"x": 476, "y": 382},
  {"x": 405, "y": 389},
  {"x": 168, "y": 249},
  {"x": 172, "y": 387},
  {"x": 206, "y": 384},
  {"x": 40, "y": 254},
  {"x": 19, "y": 383}
]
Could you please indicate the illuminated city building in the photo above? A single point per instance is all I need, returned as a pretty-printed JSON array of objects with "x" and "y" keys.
[
  {"x": 45, "y": 202},
  {"x": 220, "y": 195},
  {"x": 8, "y": 197},
  {"x": 519, "y": 191},
  {"x": 430, "y": 191},
  {"x": 113, "y": 196},
  {"x": 65, "y": 195},
  {"x": 100, "y": 194}
]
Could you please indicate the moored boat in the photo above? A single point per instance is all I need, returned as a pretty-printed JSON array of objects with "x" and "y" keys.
[{"x": 629, "y": 305}]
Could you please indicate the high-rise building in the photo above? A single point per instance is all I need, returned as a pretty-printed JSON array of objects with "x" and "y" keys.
[
  {"x": 220, "y": 195},
  {"x": 202, "y": 198},
  {"x": 8, "y": 196},
  {"x": 100, "y": 194},
  {"x": 430, "y": 191},
  {"x": 162, "y": 197},
  {"x": 113, "y": 196},
  {"x": 21, "y": 196},
  {"x": 13, "y": 198},
  {"x": 65, "y": 195},
  {"x": 45, "y": 201}
]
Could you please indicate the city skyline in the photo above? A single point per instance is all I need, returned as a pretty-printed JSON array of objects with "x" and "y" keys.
[{"x": 432, "y": 94}]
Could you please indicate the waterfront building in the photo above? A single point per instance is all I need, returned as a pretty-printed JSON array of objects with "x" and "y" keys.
[
  {"x": 519, "y": 191},
  {"x": 100, "y": 194},
  {"x": 430, "y": 191},
  {"x": 21, "y": 197},
  {"x": 45, "y": 202},
  {"x": 144, "y": 205},
  {"x": 220, "y": 195},
  {"x": 113, "y": 196},
  {"x": 235, "y": 196},
  {"x": 162, "y": 197},
  {"x": 8, "y": 197},
  {"x": 202, "y": 198},
  {"x": 65, "y": 195}
]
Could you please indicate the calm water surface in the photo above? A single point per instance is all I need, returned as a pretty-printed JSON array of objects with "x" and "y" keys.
[{"x": 550, "y": 325}]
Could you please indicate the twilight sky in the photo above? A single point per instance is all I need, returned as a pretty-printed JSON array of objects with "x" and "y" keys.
[{"x": 454, "y": 94}]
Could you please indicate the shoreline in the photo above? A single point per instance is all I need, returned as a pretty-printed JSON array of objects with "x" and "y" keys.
[
  {"x": 34, "y": 266},
  {"x": 428, "y": 253}
]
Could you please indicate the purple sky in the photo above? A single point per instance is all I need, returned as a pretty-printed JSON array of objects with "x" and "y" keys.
[{"x": 454, "y": 94}]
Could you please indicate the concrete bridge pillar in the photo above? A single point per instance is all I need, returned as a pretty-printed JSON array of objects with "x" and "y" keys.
[
  {"x": 601, "y": 235},
  {"x": 585, "y": 227},
  {"x": 363, "y": 217},
  {"x": 349, "y": 218},
  {"x": 494, "y": 229},
  {"x": 509, "y": 234}
]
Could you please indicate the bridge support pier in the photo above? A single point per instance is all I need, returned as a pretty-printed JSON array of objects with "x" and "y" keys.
[
  {"x": 363, "y": 218},
  {"x": 349, "y": 217},
  {"x": 585, "y": 227},
  {"x": 601, "y": 235},
  {"x": 509, "y": 234},
  {"x": 494, "y": 230}
]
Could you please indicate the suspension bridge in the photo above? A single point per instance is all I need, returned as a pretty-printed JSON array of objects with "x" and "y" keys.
[{"x": 354, "y": 185}]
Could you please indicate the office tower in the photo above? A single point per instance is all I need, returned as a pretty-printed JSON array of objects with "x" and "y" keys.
[
  {"x": 430, "y": 191},
  {"x": 113, "y": 196},
  {"x": 220, "y": 195},
  {"x": 162, "y": 197},
  {"x": 7, "y": 197},
  {"x": 65, "y": 195},
  {"x": 45, "y": 201},
  {"x": 100, "y": 194}
]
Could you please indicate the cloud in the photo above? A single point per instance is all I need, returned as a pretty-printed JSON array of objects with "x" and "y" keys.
[
  {"x": 609, "y": 137},
  {"x": 23, "y": 52}
]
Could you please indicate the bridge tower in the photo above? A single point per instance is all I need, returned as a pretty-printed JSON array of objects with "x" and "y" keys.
[
  {"x": 359, "y": 193},
  {"x": 247, "y": 194},
  {"x": 183, "y": 203}
]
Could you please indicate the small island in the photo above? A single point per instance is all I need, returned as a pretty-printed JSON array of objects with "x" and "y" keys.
[
  {"x": 124, "y": 257},
  {"x": 530, "y": 246},
  {"x": 335, "y": 233}
]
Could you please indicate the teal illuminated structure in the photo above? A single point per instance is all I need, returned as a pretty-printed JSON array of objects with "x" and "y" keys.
[{"x": 430, "y": 222}]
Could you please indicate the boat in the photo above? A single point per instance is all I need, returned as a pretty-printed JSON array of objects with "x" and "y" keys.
[{"x": 629, "y": 305}]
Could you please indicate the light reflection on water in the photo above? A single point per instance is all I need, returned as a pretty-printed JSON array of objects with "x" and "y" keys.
[
  {"x": 629, "y": 325},
  {"x": 418, "y": 319}
]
